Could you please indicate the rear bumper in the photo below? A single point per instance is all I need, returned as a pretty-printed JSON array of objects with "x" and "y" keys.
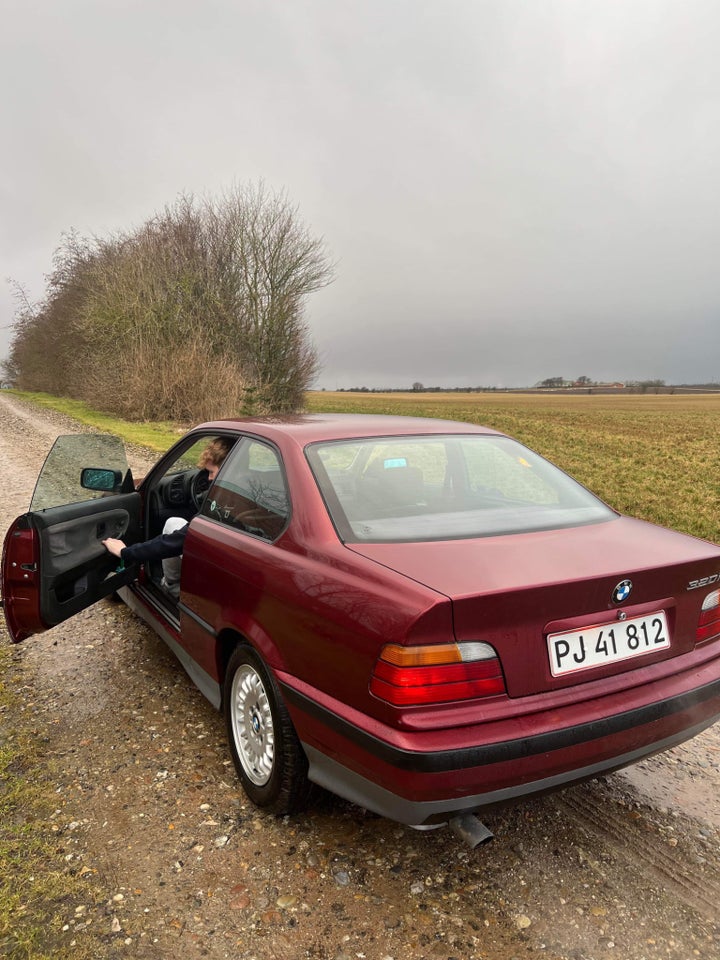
[
  {"x": 422, "y": 787},
  {"x": 344, "y": 782}
]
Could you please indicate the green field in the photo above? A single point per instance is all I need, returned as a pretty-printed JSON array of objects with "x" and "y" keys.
[{"x": 652, "y": 456}]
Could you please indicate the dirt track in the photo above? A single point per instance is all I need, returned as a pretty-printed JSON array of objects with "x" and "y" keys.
[{"x": 625, "y": 867}]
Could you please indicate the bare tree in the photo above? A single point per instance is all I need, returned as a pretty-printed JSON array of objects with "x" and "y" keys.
[
  {"x": 266, "y": 263},
  {"x": 199, "y": 312}
]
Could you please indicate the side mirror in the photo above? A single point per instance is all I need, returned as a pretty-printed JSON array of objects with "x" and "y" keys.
[{"x": 96, "y": 478}]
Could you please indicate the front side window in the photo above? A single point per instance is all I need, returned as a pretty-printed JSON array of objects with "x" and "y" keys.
[
  {"x": 59, "y": 482},
  {"x": 189, "y": 459},
  {"x": 399, "y": 489},
  {"x": 179, "y": 489},
  {"x": 251, "y": 493}
]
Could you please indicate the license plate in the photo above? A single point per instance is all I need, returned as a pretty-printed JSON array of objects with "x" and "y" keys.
[{"x": 607, "y": 643}]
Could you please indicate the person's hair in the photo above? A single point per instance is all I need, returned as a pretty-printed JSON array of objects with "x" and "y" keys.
[{"x": 215, "y": 452}]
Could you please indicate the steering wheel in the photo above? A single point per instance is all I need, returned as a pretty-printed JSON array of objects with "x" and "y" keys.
[{"x": 198, "y": 488}]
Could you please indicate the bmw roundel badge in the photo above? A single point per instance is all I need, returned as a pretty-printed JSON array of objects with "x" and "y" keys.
[{"x": 622, "y": 591}]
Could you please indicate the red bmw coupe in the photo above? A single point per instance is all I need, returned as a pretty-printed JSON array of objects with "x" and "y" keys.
[{"x": 424, "y": 617}]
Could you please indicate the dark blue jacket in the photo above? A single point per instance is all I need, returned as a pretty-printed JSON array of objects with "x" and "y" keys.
[{"x": 160, "y": 547}]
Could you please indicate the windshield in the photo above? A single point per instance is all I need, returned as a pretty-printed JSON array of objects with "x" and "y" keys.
[
  {"x": 447, "y": 487},
  {"x": 59, "y": 480}
]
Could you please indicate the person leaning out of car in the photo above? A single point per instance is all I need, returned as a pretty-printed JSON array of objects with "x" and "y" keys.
[{"x": 168, "y": 546}]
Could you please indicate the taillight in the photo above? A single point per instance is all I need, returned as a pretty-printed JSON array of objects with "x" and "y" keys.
[
  {"x": 437, "y": 673},
  {"x": 709, "y": 622}
]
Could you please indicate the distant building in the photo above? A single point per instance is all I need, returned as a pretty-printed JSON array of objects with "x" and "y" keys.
[{"x": 616, "y": 385}]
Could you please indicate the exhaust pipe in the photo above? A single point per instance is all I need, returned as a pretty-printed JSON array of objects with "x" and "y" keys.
[{"x": 470, "y": 830}]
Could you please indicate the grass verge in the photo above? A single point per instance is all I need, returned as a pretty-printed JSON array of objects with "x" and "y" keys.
[
  {"x": 155, "y": 436},
  {"x": 37, "y": 888}
]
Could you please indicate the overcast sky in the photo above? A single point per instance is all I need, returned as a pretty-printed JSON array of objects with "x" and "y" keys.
[{"x": 512, "y": 189}]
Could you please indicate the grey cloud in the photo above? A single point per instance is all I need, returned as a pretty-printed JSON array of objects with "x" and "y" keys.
[{"x": 512, "y": 189}]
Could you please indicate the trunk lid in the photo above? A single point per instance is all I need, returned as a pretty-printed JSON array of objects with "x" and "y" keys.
[{"x": 512, "y": 591}]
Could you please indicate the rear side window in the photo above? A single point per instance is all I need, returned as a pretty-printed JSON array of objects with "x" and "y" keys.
[{"x": 251, "y": 493}]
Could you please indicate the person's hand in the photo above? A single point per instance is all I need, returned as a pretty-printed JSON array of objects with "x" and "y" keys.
[{"x": 113, "y": 546}]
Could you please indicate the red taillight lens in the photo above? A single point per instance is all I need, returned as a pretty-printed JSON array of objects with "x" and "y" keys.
[
  {"x": 438, "y": 673},
  {"x": 709, "y": 622}
]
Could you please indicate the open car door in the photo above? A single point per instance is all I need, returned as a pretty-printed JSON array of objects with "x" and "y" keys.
[{"x": 54, "y": 563}]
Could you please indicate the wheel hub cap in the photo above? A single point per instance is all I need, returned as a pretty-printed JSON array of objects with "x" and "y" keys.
[{"x": 252, "y": 725}]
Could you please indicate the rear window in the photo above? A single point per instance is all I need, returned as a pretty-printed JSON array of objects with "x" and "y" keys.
[{"x": 399, "y": 489}]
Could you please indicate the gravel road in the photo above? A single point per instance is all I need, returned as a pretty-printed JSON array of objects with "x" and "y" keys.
[{"x": 147, "y": 802}]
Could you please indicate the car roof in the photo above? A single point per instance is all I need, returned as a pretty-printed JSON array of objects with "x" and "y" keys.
[{"x": 311, "y": 428}]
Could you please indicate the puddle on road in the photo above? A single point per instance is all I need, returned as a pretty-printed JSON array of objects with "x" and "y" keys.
[
  {"x": 684, "y": 780},
  {"x": 692, "y": 799}
]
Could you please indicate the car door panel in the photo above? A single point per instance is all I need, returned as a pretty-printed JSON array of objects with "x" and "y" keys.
[
  {"x": 71, "y": 543},
  {"x": 54, "y": 562}
]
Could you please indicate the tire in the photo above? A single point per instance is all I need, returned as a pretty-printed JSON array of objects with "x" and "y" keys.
[{"x": 269, "y": 759}]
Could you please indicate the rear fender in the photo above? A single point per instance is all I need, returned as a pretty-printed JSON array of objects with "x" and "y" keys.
[{"x": 251, "y": 633}]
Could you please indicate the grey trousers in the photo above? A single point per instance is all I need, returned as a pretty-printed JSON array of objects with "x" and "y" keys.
[{"x": 172, "y": 565}]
